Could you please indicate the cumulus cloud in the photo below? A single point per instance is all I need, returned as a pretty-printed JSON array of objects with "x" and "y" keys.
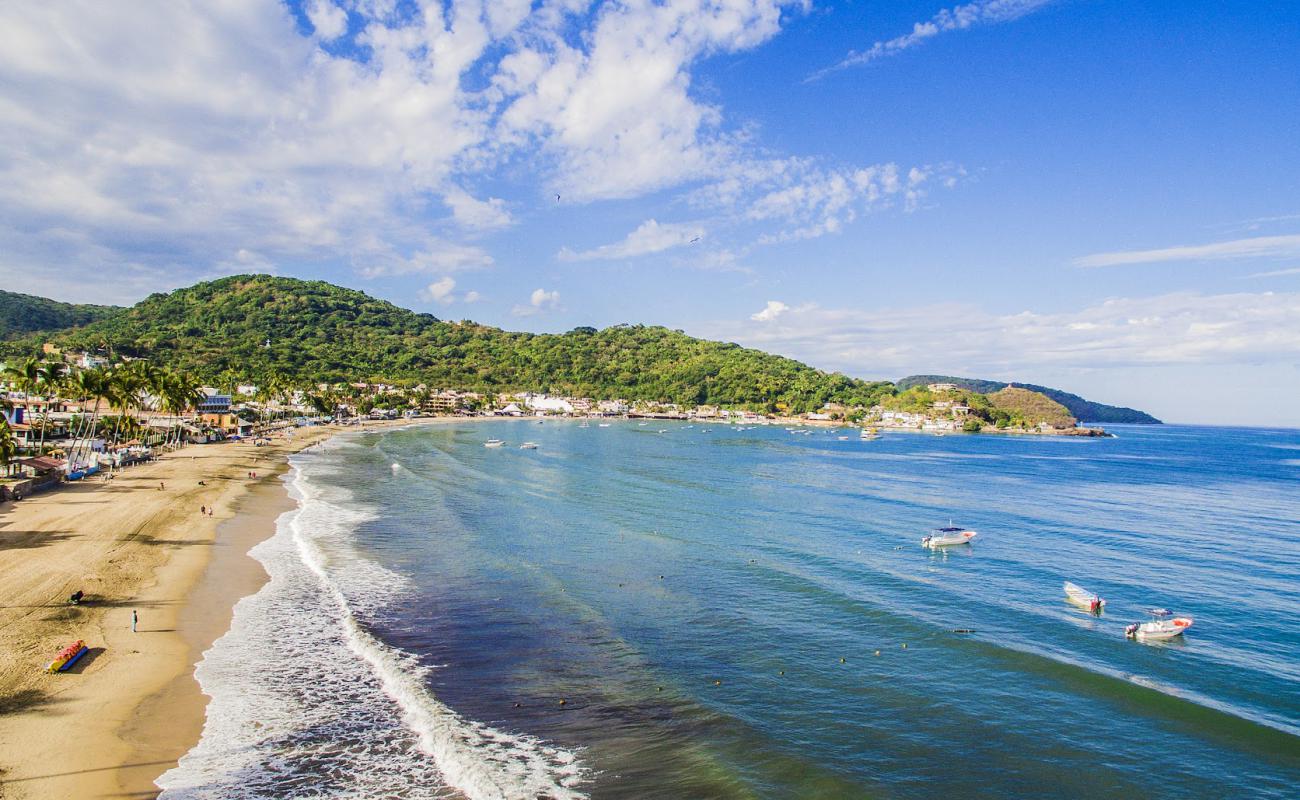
[
  {"x": 1254, "y": 247},
  {"x": 649, "y": 237},
  {"x": 477, "y": 214},
  {"x": 1171, "y": 329},
  {"x": 440, "y": 291},
  {"x": 329, "y": 21},
  {"x": 539, "y": 301},
  {"x": 771, "y": 311},
  {"x": 957, "y": 18},
  {"x": 163, "y": 132}
]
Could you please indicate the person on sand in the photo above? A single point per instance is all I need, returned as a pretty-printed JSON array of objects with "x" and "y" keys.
[
  {"x": 160, "y": 486},
  {"x": 135, "y": 620},
  {"x": 203, "y": 511}
]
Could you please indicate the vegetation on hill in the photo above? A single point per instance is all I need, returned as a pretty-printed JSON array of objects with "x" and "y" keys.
[
  {"x": 257, "y": 328},
  {"x": 1085, "y": 410},
  {"x": 22, "y": 314},
  {"x": 1031, "y": 407}
]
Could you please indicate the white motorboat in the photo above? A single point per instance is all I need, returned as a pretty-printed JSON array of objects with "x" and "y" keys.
[
  {"x": 947, "y": 537},
  {"x": 1163, "y": 625},
  {"x": 1083, "y": 598},
  {"x": 869, "y": 433},
  {"x": 528, "y": 446},
  {"x": 493, "y": 443},
  {"x": 603, "y": 425}
]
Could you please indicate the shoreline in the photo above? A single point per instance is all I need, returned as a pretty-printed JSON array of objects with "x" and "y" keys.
[{"x": 132, "y": 706}]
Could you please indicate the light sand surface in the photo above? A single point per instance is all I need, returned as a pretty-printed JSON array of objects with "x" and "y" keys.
[{"x": 123, "y": 715}]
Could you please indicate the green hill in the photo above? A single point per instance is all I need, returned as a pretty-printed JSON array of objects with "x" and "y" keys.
[
  {"x": 23, "y": 314},
  {"x": 1034, "y": 407},
  {"x": 1085, "y": 410},
  {"x": 255, "y": 326}
]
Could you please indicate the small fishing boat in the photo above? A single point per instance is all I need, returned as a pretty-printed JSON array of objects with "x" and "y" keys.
[
  {"x": 869, "y": 433},
  {"x": 493, "y": 443},
  {"x": 603, "y": 425},
  {"x": 948, "y": 536},
  {"x": 1163, "y": 625},
  {"x": 528, "y": 446},
  {"x": 585, "y": 425},
  {"x": 67, "y": 657},
  {"x": 1083, "y": 598}
]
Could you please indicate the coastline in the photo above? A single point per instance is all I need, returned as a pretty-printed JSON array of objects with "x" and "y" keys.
[{"x": 131, "y": 707}]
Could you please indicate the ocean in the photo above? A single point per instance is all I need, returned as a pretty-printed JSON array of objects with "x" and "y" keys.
[{"x": 695, "y": 611}]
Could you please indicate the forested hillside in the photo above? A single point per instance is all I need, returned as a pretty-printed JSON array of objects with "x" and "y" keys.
[
  {"x": 254, "y": 326},
  {"x": 22, "y": 314}
]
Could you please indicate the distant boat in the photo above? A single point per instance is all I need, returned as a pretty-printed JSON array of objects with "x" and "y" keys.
[
  {"x": 604, "y": 425},
  {"x": 947, "y": 537},
  {"x": 1160, "y": 627},
  {"x": 585, "y": 425},
  {"x": 842, "y": 438},
  {"x": 493, "y": 443},
  {"x": 1083, "y": 598},
  {"x": 528, "y": 446},
  {"x": 869, "y": 433}
]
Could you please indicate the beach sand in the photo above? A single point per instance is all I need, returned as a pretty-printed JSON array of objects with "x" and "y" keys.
[{"x": 131, "y": 707}]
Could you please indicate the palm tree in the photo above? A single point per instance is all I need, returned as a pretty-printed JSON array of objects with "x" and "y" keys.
[
  {"x": 50, "y": 375},
  {"x": 92, "y": 383},
  {"x": 25, "y": 376},
  {"x": 8, "y": 445}
]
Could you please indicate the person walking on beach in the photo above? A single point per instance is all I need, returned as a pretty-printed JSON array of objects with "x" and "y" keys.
[
  {"x": 203, "y": 511},
  {"x": 135, "y": 620}
]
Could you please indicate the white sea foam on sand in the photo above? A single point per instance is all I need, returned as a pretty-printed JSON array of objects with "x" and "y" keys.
[{"x": 305, "y": 702}]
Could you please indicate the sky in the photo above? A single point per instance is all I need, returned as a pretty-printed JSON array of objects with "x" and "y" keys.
[{"x": 1098, "y": 195}]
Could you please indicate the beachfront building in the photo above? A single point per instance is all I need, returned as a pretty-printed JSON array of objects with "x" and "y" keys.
[
  {"x": 612, "y": 407},
  {"x": 545, "y": 404}
]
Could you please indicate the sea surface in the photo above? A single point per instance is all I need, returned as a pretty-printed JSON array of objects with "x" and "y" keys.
[{"x": 695, "y": 611}]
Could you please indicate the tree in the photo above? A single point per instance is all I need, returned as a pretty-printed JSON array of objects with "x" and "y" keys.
[
  {"x": 26, "y": 376},
  {"x": 8, "y": 445}
]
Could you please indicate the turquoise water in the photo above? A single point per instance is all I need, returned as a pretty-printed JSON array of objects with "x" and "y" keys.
[{"x": 749, "y": 613}]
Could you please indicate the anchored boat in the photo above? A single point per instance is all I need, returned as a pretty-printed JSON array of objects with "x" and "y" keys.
[
  {"x": 494, "y": 443},
  {"x": 528, "y": 446},
  {"x": 946, "y": 537},
  {"x": 1160, "y": 627},
  {"x": 1083, "y": 598}
]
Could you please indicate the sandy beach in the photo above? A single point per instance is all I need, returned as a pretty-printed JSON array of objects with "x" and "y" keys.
[{"x": 131, "y": 707}]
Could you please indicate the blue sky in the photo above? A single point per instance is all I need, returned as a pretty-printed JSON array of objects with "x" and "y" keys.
[{"x": 1103, "y": 196}]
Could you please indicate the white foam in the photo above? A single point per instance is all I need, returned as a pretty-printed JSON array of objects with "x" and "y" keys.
[{"x": 307, "y": 702}]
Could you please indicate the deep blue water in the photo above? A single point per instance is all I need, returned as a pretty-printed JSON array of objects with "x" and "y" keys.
[{"x": 749, "y": 613}]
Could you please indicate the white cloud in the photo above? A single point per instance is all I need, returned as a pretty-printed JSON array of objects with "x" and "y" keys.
[
  {"x": 1171, "y": 329},
  {"x": 617, "y": 115},
  {"x": 154, "y": 138},
  {"x": 1276, "y": 273},
  {"x": 477, "y": 214},
  {"x": 1255, "y": 247},
  {"x": 539, "y": 301},
  {"x": 375, "y": 258},
  {"x": 958, "y": 18},
  {"x": 471, "y": 297},
  {"x": 440, "y": 291},
  {"x": 771, "y": 311},
  {"x": 329, "y": 20},
  {"x": 649, "y": 237}
]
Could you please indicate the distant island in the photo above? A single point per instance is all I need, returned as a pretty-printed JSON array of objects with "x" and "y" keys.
[{"x": 320, "y": 338}]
